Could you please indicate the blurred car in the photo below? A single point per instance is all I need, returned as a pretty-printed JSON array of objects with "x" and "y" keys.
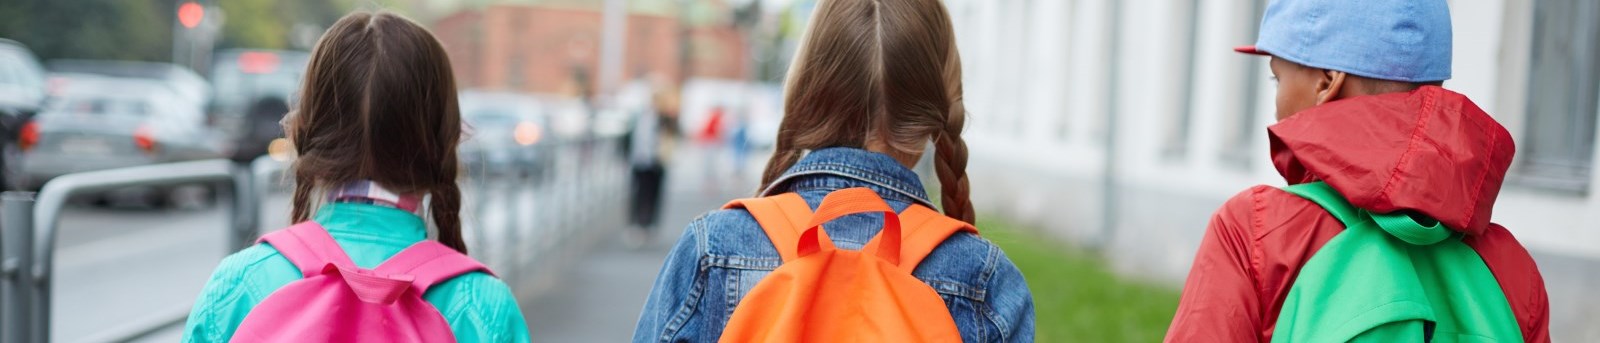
[
  {"x": 100, "y": 123},
  {"x": 507, "y": 134},
  {"x": 253, "y": 90},
  {"x": 22, "y": 94},
  {"x": 186, "y": 83},
  {"x": 570, "y": 118}
]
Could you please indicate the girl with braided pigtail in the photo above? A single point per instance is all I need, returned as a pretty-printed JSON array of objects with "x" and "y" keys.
[
  {"x": 873, "y": 83},
  {"x": 375, "y": 137}
]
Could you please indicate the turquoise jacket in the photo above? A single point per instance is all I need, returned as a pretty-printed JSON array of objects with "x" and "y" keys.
[{"x": 478, "y": 307}]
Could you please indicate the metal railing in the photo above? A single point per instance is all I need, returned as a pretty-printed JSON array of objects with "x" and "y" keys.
[
  {"x": 28, "y": 232},
  {"x": 578, "y": 199},
  {"x": 582, "y": 191}
]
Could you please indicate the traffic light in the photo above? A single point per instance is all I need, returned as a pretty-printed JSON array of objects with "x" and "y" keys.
[{"x": 190, "y": 14}]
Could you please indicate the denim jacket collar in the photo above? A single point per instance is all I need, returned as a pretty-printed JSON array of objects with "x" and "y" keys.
[{"x": 840, "y": 168}]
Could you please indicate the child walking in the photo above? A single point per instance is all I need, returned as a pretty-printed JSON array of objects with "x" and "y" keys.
[
  {"x": 873, "y": 83},
  {"x": 376, "y": 133},
  {"x": 1384, "y": 234}
]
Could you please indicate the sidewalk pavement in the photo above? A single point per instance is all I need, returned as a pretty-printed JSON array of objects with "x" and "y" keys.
[{"x": 598, "y": 299}]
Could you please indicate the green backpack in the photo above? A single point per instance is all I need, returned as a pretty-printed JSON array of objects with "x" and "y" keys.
[{"x": 1388, "y": 278}]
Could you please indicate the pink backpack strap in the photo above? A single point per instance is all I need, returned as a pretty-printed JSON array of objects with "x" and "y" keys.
[
  {"x": 309, "y": 247},
  {"x": 430, "y": 263}
]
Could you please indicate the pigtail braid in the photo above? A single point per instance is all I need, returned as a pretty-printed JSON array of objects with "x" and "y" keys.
[
  {"x": 445, "y": 208},
  {"x": 950, "y": 161}
]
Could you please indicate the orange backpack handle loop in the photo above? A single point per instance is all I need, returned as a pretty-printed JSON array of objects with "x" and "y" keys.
[
  {"x": 782, "y": 217},
  {"x": 853, "y": 201},
  {"x": 922, "y": 230}
]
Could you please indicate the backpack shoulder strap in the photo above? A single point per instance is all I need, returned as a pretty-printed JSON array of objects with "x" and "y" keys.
[
  {"x": 1399, "y": 225},
  {"x": 1329, "y": 199},
  {"x": 309, "y": 247},
  {"x": 429, "y": 263},
  {"x": 922, "y": 231},
  {"x": 783, "y": 217}
]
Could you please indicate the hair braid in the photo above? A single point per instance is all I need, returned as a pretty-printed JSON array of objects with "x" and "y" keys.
[
  {"x": 951, "y": 164},
  {"x": 950, "y": 150},
  {"x": 445, "y": 208}
]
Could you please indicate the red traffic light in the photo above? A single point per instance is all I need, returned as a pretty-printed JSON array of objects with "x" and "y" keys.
[{"x": 190, "y": 14}]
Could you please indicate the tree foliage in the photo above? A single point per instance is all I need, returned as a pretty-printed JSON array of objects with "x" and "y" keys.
[
  {"x": 143, "y": 29},
  {"x": 101, "y": 29}
]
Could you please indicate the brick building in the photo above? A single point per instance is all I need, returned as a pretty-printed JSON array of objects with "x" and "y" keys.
[{"x": 541, "y": 49}]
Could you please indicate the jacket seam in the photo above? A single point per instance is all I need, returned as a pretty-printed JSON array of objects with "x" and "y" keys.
[
  {"x": 994, "y": 319},
  {"x": 730, "y": 294},
  {"x": 955, "y": 289},
  {"x": 859, "y": 172},
  {"x": 1417, "y": 130},
  {"x": 742, "y": 263},
  {"x": 687, "y": 309},
  {"x": 1257, "y": 224},
  {"x": 691, "y": 303},
  {"x": 1000, "y": 323},
  {"x": 1472, "y": 209},
  {"x": 990, "y": 263},
  {"x": 789, "y": 177}
]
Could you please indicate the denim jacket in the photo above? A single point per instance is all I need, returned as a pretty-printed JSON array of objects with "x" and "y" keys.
[{"x": 724, "y": 253}]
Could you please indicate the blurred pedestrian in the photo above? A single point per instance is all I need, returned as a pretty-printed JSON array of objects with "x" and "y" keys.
[
  {"x": 739, "y": 143},
  {"x": 1384, "y": 234},
  {"x": 647, "y": 147},
  {"x": 711, "y": 131},
  {"x": 376, "y": 132},
  {"x": 872, "y": 83}
]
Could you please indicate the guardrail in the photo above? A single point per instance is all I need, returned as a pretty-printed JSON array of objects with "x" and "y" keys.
[
  {"x": 583, "y": 190},
  {"x": 28, "y": 230},
  {"x": 578, "y": 199}
]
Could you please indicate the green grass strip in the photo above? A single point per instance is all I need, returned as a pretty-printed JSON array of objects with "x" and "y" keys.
[{"x": 1077, "y": 298}]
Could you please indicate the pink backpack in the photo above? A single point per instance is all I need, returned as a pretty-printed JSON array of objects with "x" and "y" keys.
[{"x": 340, "y": 302}]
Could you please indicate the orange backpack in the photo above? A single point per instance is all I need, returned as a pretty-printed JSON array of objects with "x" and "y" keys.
[{"x": 825, "y": 294}]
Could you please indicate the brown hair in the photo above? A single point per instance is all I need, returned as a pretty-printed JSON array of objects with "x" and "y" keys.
[
  {"x": 379, "y": 103},
  {"x": 880, "y": 71}
]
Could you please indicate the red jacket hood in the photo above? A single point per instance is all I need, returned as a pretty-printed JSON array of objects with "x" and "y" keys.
[{"x": 1431, "y": 151}]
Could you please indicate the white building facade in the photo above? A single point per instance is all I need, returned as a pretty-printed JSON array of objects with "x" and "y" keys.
[{"x": 1146, "y": 96}]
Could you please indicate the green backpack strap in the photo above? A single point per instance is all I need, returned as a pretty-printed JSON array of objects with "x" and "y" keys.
[
  {"x": 1388, "y": 278},
  {"x": 1330, "y": 200},
  {"x": 1399, "y": 225}
]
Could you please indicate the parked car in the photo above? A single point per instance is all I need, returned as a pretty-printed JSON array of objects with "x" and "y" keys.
[
  {"x": 186, "y": 83},
  {"x": 100, "y": 123},
  {"x": 253, "y": 90},
  {"x": 22, "y": 94},
  {"x": 507, "y": 134}
]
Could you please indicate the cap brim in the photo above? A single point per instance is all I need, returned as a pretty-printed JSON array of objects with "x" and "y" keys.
[{"x": 1250, "y": 49}]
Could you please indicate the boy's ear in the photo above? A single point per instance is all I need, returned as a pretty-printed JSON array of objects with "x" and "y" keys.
[{"x": 1329, "y": 85}]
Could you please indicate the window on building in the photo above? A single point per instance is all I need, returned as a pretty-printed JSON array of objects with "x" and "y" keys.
[
  {"x": 1236, "y": 150},
  {"x": 1177, "y": 143},
  {"x": 1022, "y": 36},
  {"x": 1063, "y": 129},
  {"x": 1564, "y": 84}
]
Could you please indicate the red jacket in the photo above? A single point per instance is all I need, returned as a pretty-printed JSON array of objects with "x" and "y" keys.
[{"x": 1431, "y": 151}]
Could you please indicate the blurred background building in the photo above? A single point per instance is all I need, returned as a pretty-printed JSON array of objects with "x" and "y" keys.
[
  {"x": 1124, "y": 124},
  {"x": 1110, "y": 126}
]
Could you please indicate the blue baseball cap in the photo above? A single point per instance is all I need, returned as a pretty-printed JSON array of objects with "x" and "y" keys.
[{"x": 1396, "y": 40}]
